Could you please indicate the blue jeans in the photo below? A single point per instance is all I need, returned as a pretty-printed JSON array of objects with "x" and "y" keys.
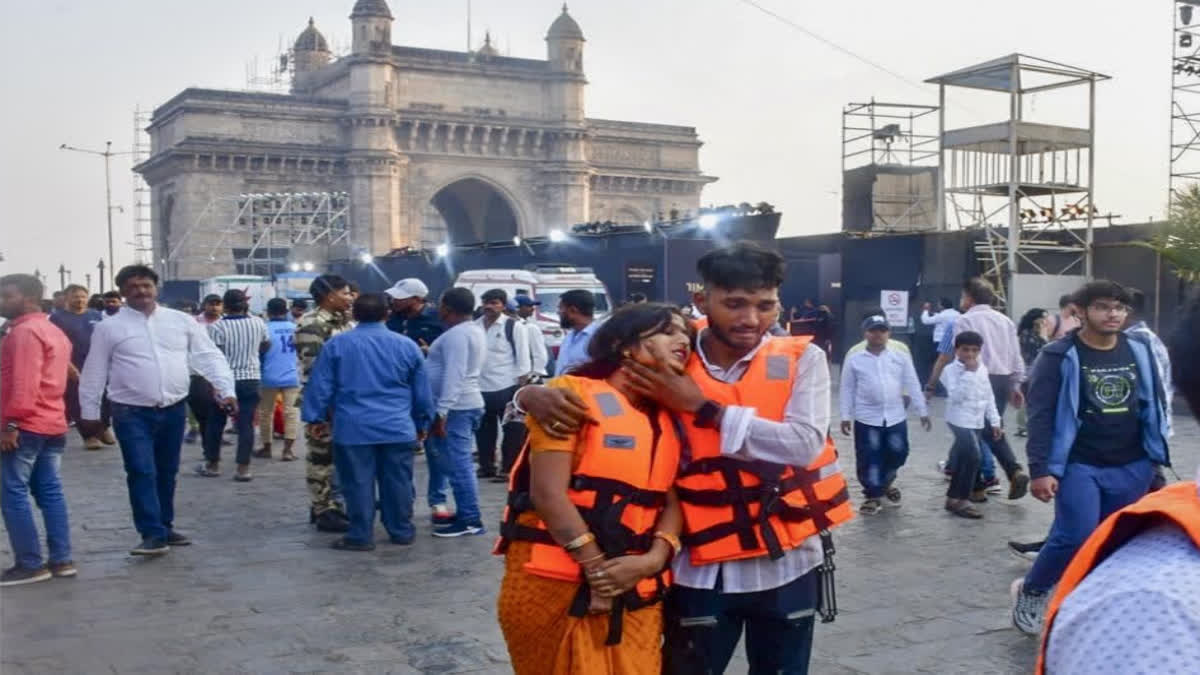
[
  {"x": 248, "y": 396},
  {"x": 150, "y": 440},
  {"x": 452, "y": 455},
  {"x": 438, "y": 483},
  {"x": 879, "y": 453},
  {"x": 360, "y": 467},
  {"x": 32, "y": 468},
  {"x": 702, "y": 628},
  {"x": 1086, "y": 496}
]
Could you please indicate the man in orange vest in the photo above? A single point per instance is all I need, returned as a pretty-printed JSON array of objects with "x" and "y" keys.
[
  {"x": 1130, "y": 600},
  {"x": 759, "y": 480}
]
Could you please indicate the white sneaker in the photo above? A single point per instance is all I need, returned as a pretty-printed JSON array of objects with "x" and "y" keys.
[{"x": 1028, "y": 609}]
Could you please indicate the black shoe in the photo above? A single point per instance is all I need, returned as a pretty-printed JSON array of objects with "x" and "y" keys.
[
  {"x": 332, "y": 521},
  {"x": 499, "y": 478},
  {"x": 485, "y": 473},
  {"x": 344, "y": 544},
  {"x": 1027, "y": 552},
  {"x": 151, "y": 546},
  {"x": 176, "y": 539},
  {"x": 16, "y": 576},
  {"x": 1018, "y": 484}
]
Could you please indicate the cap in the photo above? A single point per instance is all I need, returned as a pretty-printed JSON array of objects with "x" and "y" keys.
[
  {"x": 408, "y": 288},
  {"x": 876, "y": 321},
  {"x": 526, "y": 301},
  {"x": 510, "y": 306}
]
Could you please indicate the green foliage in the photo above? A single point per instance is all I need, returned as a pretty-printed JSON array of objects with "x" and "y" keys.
[{"x": 1179, "y": 240}]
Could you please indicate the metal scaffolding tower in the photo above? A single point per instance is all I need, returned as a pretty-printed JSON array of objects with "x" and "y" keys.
[
  {"x": 1185, "y": 95},
  {"x": 889, "y": 166},
  {"x": 143, "y": 242},
  {"x": 260, "y": 233},
  {"x": 1027, "y": 185}
]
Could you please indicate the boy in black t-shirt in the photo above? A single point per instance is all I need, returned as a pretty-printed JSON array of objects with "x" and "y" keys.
[{"x": 1097, "y": 427}]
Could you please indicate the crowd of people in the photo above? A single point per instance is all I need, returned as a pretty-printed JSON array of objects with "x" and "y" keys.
[{"x": 672, "y": 480}]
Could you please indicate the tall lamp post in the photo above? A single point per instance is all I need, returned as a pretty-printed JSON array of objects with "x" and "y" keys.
[{"x": 108, "y": 154}]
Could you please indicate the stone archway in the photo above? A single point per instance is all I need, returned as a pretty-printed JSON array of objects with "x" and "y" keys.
[{"x": 471, "y": 211}]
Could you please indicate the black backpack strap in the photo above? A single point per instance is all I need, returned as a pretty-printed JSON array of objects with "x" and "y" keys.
[{"x": 509, "y": 327}]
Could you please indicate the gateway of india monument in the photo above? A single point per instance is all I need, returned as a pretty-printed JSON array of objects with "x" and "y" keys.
[{"x": 392, "y": 148}]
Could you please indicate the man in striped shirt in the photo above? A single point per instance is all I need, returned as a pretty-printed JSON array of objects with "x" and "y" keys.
[{"x": 242, "y": 338}]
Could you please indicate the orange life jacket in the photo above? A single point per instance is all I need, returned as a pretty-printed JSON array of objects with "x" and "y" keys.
[
  {"x": 1178, "y": 504},
  {"x": 620, "y": 485},
  {"x": 734, "y": 508},
  {"x": 700, "y": 324}
]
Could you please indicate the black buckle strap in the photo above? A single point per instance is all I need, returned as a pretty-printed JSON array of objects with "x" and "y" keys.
[{"x": 827, "y": 607}]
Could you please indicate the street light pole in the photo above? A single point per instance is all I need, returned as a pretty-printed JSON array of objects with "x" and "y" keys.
[
  {"x": 100, "y": 266},
  {"x": 108, "y": 154}
]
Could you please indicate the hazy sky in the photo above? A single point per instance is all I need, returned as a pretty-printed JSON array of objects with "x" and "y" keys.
[{"x": 765, "y": 98}]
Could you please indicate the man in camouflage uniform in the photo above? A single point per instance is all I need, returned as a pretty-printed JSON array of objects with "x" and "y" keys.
[{"x": 331, "y": 294}]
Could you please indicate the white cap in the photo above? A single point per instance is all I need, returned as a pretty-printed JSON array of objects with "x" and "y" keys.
[{"x": 408, "y": 288}]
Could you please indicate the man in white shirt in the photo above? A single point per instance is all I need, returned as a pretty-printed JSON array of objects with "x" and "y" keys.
[
  {"x": 527, "y": 310},
  {"x": 877, "y": 385},
  {"x": 144, "y": 354},
  {"x": 508, "y": 365},
  {"x": 942, "y": 321}
]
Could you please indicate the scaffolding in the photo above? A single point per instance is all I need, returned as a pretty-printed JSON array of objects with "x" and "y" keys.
[
  {"x": 265, "y": 231},
  {"x": 889, "y": 166},
  {"x": 1185, "y": 96},
  {"x": 143, "y": 241},
  {"x": 1027, "y": 185}
]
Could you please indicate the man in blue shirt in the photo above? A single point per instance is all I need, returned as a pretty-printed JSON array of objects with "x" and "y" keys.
[
  {"x": 77, "y": 322},
  {"x": 371, "y": 383},
  {"x": 576, "y": 314},
  {"x": 280, "y": 380}
]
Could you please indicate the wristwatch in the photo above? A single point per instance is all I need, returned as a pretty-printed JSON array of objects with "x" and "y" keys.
[{"x": 707, "y": 414}]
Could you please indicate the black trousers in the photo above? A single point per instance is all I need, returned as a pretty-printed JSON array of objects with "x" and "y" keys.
[
  {"x": 702, "y": 628},
  {"x": 200, "y": 400},
  {"x": 1001, "y": 388},
  {"x": 74, "y": 410},
  {"x": 494, "y": 403}
]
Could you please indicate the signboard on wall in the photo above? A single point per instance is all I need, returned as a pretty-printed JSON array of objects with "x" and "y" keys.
[
  {"x": 895, "y": 307},
  {"x": 640, "y": 278}
]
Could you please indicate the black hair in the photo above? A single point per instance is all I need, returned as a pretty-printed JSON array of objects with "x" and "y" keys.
[
  {"x": 1026, "y": 323},
  {"x": 621, "y": 331},
  {"x": 324, "y": 285},
  {"x": 980, "y": 291},
  {"x": 47, "y": 306},
  {"x": 494, "y": 294},
  {"x": 1065, "y": 300},
  {"x": 460, "y": 301},
  {"x": 637, "y": 297},
  {"x": 1185, "y": 354},
  {"x": 71, "y": 288},
  {"x": 96, "y": 302},
  {"x": 135, "y": 272},
  {"x": 235, "y": 301},
  {"x": 370, "y": 308},
  {"x": 946, "y": 303},
  {"x": 581, "y": 299},
  {"x": 211, "y": 297},
  {"x": 1137, "y": 301},
  {"x": 29, "y": 286},
  {"x": 300, "y": 304},
  {"x": 742, "y": 266},
  {"x": 277, "y": 307},
  {"x": 354, "y": 287},
  {"x": 1100, "y": 289},
  {"x": 59, "y": 294},
  {"x": 968, "y": 338},
  {"x": 111, "y": 295}
]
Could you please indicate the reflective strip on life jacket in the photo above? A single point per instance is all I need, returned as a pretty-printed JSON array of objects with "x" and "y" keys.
[
  {"x": 619, "y": 487},
  {"x": 1178, "y": 503},
  {"x": 735, "y": 509}
]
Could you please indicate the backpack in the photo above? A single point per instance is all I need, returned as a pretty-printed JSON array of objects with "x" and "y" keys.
[{"x": 509, "y": 327}]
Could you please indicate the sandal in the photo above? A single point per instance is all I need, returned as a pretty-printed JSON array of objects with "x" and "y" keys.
[
  {"x": 964, "y": 511},
  {"x": 870, "y": 507},
  {"x": 287, "y": 456},
  {"x": 205, "y": 472},
  {"x": 893, "y": 495},
  {"x": 264, "y": 453}
]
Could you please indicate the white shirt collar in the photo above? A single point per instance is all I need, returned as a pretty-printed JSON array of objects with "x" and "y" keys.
[{"x": 745, "y": 359}]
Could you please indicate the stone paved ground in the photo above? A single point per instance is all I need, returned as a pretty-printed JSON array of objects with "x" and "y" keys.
[{"x": 260, "y": 592}]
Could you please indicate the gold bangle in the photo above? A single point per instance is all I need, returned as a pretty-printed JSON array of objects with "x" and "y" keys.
[
  {"x": 579, "y": 542},
  {"x": 672, "y": 540},
  {"x": 593, "y": 559}
]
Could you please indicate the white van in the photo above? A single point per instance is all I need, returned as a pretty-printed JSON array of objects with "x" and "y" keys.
[{"x": 544, "y": 283}]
